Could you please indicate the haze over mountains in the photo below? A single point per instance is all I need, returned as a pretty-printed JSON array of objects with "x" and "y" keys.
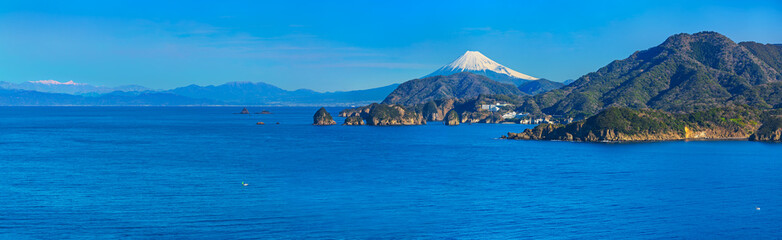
[
  {"x": 53, "y": 93},
  {"x": 69, "y": 87},
  {"x": 485, "y": 77},
  {"x": 238, "y": 93}
]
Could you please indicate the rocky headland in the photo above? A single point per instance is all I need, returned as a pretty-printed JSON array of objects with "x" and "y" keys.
[
  {"x": 384, "y": 115},
  {"x": 627, "y": 125},
  {"x": 771, "y": 131}
]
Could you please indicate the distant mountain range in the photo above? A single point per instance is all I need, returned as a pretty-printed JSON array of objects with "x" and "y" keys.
[
  {"x": 267, "y": 94},
  {"x": 17, "y": 97},
  {"x": 485, "y": 77},
  {"x": 52, "y": 93},
  {"x": 70, "y": 87}
]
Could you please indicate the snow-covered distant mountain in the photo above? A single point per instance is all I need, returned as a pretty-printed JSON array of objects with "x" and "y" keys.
[
  {"x": 69, "y": 87},
  {"x": 475, "y": 62}
]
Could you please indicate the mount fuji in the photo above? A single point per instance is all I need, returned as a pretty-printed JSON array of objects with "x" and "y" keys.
[{"x": 477, "y": 63}]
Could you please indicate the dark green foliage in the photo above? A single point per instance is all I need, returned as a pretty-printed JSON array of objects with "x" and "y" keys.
[
  {"x": 429, "y": 108},
  {"x": 771, "y": 124},
  {"x": 771, "y": 54},
  {"x": 771, "y": 130},
  {"x": 706, "y": 53},
  {"x": 529, "y": 106},
  {"x": 539, "y": 86}
]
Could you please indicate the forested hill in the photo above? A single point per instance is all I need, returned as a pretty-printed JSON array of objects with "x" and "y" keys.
[{"x": 685, "y": 73}]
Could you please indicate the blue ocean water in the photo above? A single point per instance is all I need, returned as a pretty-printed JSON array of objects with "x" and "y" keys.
[{"x": 177, "y": 172}]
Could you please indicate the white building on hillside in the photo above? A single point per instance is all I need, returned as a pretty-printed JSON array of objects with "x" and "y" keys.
[{"x": 494, "y": 107}]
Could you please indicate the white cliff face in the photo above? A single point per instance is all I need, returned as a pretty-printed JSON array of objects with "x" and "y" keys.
[{"x": 474, "y": 61}]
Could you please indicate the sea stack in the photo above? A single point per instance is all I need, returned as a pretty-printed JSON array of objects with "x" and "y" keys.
[
  {"x": 354, "y": 121},
  {"x": 451, "y": 118},
  {"x": 323, "y": 118},
  {"x": 244, "y": 111}
]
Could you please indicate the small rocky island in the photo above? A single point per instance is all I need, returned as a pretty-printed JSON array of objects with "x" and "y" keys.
[
  {"x": 451, "y": 118},
  {"x": 323, "y": 118}
]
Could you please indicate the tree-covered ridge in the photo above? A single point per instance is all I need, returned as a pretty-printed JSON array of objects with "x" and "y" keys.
[
  {"x": 771, "y": 54},
  {"x": 456, "y": 86},
  {"x": 684, "y": 74},
  {"x": 539, "y": 86}
]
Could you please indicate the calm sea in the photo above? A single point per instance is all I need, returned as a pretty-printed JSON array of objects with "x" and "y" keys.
[{"x": 177, "y": 172}]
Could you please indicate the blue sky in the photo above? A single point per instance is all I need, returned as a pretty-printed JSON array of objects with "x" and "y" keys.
[{"x": 327, "y": 46}]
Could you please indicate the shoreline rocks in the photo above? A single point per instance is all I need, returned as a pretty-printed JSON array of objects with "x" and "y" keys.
[
  {"x": 393, "y": 115},
  {"x": 384, "y": 115},
  {"x": 354, "y": 121}
]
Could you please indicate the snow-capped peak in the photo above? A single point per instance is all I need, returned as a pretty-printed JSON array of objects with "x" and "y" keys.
[
  {"x": 474, "y": 61},
  {"x": 54, "y": 82}
]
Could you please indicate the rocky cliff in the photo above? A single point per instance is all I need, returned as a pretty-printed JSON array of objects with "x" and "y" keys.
[
  {"x": 385, "y": 115},
  {"x": 323, "y": 118},
  {"x": 771, "y": 131},
  {"x": 354, "y": 121},
  {"x": 392, "y": 115}
]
